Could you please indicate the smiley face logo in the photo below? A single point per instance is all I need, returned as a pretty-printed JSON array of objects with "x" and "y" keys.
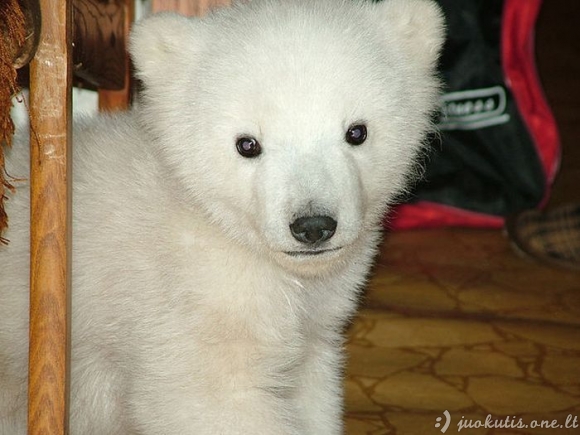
[{"x": 447, "y": 421}]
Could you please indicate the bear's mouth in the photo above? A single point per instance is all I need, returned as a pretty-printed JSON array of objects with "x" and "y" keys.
[{"x": 312, "y": 252}]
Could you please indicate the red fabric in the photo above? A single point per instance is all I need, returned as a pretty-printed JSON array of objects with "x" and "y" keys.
[
  {"x": 519, "y": 19},
  {"x": 426, "y": 214},
  {"x": 518, "y": 61}
]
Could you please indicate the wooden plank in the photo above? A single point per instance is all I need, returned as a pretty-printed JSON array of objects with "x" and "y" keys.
[
  {"x": 113, "y": 100},
  {"x": 187, "y": 7},
  {"x": 100, "y": 37},
  {"x": 50, "y": 178}
]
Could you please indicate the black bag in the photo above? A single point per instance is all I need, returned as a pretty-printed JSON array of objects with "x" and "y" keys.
[{"x": 499, "y": 150}]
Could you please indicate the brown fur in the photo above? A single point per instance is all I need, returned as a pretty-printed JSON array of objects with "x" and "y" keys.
[{"x": 12, "y": 39}]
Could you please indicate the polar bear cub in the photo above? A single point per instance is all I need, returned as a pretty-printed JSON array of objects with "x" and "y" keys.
[{"x": 224, "y": 227}]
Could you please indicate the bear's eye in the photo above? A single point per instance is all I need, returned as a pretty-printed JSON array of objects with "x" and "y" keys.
[
  {"x": 356, "y": 134},
  {"x": 248, "y": 146}
]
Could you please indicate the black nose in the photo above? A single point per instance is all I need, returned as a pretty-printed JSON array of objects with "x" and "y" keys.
[{"x": 313, "y": 229}]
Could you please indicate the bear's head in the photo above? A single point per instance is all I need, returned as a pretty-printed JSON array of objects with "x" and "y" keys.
[{"x": 291, "y": 125}]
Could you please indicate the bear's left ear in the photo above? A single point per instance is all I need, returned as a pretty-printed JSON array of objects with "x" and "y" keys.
[
  {"x": 417, "y": 25},
  {"x": 159, "y": 43}
]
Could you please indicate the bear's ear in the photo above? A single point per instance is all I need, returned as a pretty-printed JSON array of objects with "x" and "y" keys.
[
  {"x": 418, "y": 25},
  {"x": 159, "y": 43}
]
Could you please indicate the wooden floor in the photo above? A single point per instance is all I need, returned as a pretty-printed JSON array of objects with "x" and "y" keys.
[{"x": 455, "y": 321}]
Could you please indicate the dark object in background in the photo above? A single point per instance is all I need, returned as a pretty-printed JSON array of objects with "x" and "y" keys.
[{"x": 499, "y": 150}]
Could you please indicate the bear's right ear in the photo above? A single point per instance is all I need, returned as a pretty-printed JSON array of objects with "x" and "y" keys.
[
  {"x": 159, "y": 43},
  {"x": 417, "y": 26}
]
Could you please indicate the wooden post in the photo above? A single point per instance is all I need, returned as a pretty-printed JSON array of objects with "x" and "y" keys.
[{"x": 50, "y": 179}]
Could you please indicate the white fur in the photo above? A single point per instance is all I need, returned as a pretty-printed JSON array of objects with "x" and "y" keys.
[{"x": 189, "y": 315}]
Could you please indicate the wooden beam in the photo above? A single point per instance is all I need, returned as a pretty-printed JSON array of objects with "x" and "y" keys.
[
  {"x": 50, "y": 179},
  {"x": 100, "y": 37},
  {"x": 120, "y": 99},
  {"x": 187, "y": 7}
]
